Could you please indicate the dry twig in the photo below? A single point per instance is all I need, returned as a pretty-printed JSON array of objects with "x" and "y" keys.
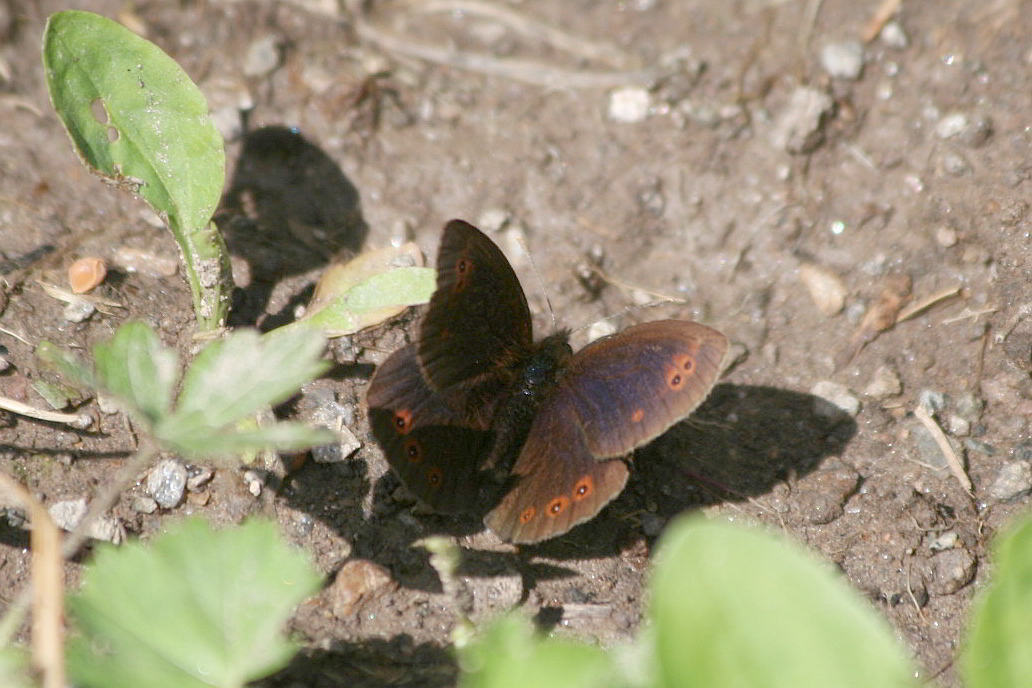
[
  {"x": 47, "y": 586},
  {"x": 952, "y": 460}
]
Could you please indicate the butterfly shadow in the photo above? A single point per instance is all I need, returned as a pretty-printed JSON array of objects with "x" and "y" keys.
[
  {"x": 288, "y": 210},
  {"x": 739, "y": 444},
  {"x": 397, "y": 661}
]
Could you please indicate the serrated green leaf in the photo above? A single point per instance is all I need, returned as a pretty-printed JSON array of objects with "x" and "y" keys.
[
  {"x": 108, "y": 83},
  {"x": 736, "y": 606},
  {"x": 65, "y": 363},
  {"x": 236, "y": 376},
  {"x": 194, "y": 608},
  {"x": 997, "y": 653},
  {"x": 205, "y": 442},
  {"x": 510, "y": 655},
  {"x": 135, "y": 367}
]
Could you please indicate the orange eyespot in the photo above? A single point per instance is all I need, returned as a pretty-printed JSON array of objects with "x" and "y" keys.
[
  {"x": 413, "y": 450},
  {"x": 434, "y": 477},
  {"x": 557, "y": 505},
  {"x": 527, "y": 515},
  {"x": 403, "y": 421},
  {"x": 638, "y": 415},
  {"x": 674, "y": 379},
  {"x": 685, "y": 362},
  {"x": 584, "y": 488}
]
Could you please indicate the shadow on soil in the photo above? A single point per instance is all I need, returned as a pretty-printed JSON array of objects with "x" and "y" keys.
[
  {"x": 740, "y": 443},
  {"x": 288, "y": 210},
  {"x": 394, "y": 662}
]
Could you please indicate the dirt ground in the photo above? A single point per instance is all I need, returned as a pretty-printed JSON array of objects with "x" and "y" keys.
[{"x": 727, "y": 155}]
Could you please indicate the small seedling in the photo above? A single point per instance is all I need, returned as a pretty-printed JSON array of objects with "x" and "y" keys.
[{"x": 137, "y": 120}]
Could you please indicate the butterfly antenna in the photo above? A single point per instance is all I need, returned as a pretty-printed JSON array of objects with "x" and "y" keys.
[{"x": 540, "y": 282}]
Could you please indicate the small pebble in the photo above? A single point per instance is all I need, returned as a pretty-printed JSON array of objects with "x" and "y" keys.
[
  {"x": 931, "y": 401},
  {"x": 68, "y": 514},
  {"x": 843, "y": 60},
  {"x": 799, "y": 128},
  {"x": 166, "y": 483},
  {"x": 834, "y": 399},
  {"x": 629, "y": 105},
  {"x": 340, "y": 451},
  {"x": 144, "y": 505},
  {"x": 86, "y": 274},
  {"x": 946, "y": 237},
  {"x": 78, "y": 312},
  {"x": 950, "y": 571},
  {"x": 826, "y": 288},
  {"x": 263, "y": 56},
  {"x": 958, "y": 426},
  {"x": 107, "y": 405},
  {"x": 928, "y": 451},
  {"x": 198, "y": 477},
  {"x": 357, "y": 582},
  {"x": 977, "y": 132},
  {"x": 1023, "y": 451},
  {"x": 951, "y": 125},
  {"x": 254, "y": 483},
  {"x": 1012, "y": 482},
  {"x": 884, "y": 383},
  {"x": 943, "y": 541},
  {"x": 954, "y": 164},
  {"x": 107, "y": 529},
  {"x": 493, "y": 219},
  {"x": 893, "y": 35}
]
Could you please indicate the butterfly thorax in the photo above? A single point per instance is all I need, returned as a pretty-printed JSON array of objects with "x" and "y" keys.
[{"x": 534, "y": 376}]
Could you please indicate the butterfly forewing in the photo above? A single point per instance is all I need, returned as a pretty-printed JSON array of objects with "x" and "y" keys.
[
  {"x": 631, "y": 387},
  {"x": 478, "y": 317}
]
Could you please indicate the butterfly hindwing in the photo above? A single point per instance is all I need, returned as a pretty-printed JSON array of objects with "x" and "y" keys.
[
  {"x": 556, "y": 482},
  {"x": 436, "y": 452}
]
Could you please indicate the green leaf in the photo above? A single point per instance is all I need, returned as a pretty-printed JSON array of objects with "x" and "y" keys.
[
  {"x": 134, "y": 115},
  {"x": 207, "y": 442},
  {"x": 373, "y": 286},
  {"x": 509, "y": 655},
  {"x": 136, "y": 119},
  {"x": 236, "y": 376},
  {"x": 997, "y": 654},
  {"x": 65, "y": 363},
  {"x": 196, "y": 607},
  {"x": 57, "y": 396},
  {"x": 735, "y": 606},
  {"x": 373, "y": 301},
  {"x": 13, "y": 668},
  {"x": 138, "y": 369}
]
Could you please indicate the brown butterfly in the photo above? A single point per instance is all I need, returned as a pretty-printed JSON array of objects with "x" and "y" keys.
[{"x": 475, "y": 410}]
